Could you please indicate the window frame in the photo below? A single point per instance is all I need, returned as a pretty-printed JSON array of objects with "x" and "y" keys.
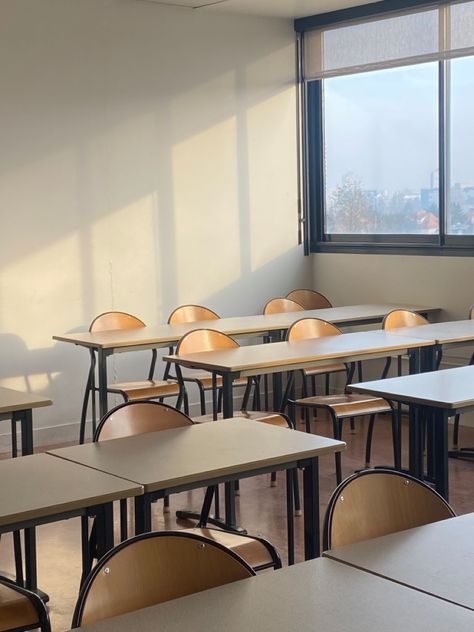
[{"x": 443, "y": 244}]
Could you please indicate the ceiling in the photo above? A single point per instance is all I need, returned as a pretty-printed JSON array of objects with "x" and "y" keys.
[{"x": 274, "y": 8}]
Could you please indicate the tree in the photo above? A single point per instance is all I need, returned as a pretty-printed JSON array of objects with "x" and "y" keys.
[{"x": 350, "y": 210}]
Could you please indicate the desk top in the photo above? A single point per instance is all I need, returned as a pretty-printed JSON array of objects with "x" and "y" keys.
[
  {"x": 319, "y": 595},
  {"x": 449, "y": 388},
  {"x": 41, "y": 485},
  {"x": 443, "y": 333},
  {"x": 172, "y": 458},
  {"x": 11, "y": 400},
  {"x": 299, "y": 354},
  {"x": 437, "y": 558},
  {"x": 164, "y": 335}
]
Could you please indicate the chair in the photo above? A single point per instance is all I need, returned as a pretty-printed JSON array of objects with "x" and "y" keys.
[
  {"x": 344, "y": 406},
  {"x": 374, "y": 503},
  {"x": 200, "y": 340},
  {"x": 281, "y": 305},
  {"x": 192, "y": 314},
  {"x": 133, "y": 418},
  {"x": 309, "y": 299},
  {"x": 130, "y": 391},
  {"x": 308, "y": 328},
  {"x": 468, "y": 452},
  {"x": 153, "y": 568},
  {"x": 21, "y": 609}
]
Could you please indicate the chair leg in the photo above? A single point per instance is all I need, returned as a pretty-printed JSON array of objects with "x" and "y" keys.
[
  {"x": 85, "y": 404},
  {"x": 396, "y": 440},
  {"x": 202, "y": 399},
  {"x": 18, "y": 558},
  {"x": 123, "y": 520},
  {"x": 14, "y": 438},
  {"x": 368, "y": 445},
  {"x": 328, "y": 377},
  {"x": 352, "y": 425},
  {"x": 246, "y": 397},
  {"x": 313, "y": 384},
  {"x": 359, "y": 371},
  {"x": 166, "y": 504},
  {"x": 273, "y": 478}
]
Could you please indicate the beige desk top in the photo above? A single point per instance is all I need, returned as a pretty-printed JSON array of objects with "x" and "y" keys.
[
  {"x": 316, "y": 596},
  {"x": 449, "y": 388},
  {"x": 183, "y": 456},
  {"x": 11, "y": 400},
  {"x": 443, "y": 333},
  {"x": 164, "y": 335},
  {"x": 301, "y": 354},
  {"x": 437, "y": 559},
  {"x": 40, "y": 485}
]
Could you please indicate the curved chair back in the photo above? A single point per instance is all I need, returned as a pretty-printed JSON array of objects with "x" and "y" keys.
[
  {"x": 403, "y": 318},
  {"x": 309, "y": 299},
  {"x": 281, "y": 305},
  {"x": 191, "y": 314},
  {"x": 109, "y": 321},
  {"x": 205, "y": 340},
  {"x": 374, "y": 503},
  {"x": 471, "y": 312},
  {"x": 153, "y": 568},
  {"x": 307, "y": 328},
  {"x": 133, "y": 418}
]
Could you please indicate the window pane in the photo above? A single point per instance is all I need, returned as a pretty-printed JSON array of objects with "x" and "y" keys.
[
  {"x": 381, "y": 152},
  {"x": 460, "y": 220}
]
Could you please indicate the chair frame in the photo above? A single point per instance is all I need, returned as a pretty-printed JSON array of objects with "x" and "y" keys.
[
  {"x": 43, "y": 618},
  {"x": 328, "y": 517},
  {"x": 311, "y": 292},
  {"x": 85, "y": 589}
]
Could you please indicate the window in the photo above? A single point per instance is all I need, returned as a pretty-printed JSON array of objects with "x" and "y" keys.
[{"x": 389, "y": 161}]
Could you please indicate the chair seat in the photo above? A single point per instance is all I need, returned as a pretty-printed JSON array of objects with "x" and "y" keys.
[
  {"x": 252, "y": 550},
  {"x": 146, "y": 389},
  {"x": 205, "y": 379},
  {"x": 256, "y": 415},
  {"x": 16, "y": 610},
  {"x": 347, "y": 405},
  {"x": 322, "y": 370}
]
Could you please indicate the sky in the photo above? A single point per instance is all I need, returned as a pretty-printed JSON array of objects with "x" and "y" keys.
[{"x": 382, "y": 126}]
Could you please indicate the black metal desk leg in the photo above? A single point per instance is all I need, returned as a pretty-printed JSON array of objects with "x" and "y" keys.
[
  {"x": 290, "y": 525},
  {"x": 30, "y": 559},
  {"x": 227, "y": 403},
  {"x": 142, "y": 514},
  {"x": 230, "y": 520},
  {"x": 26, "y": 432},
  {"x": 441, "y": 451},
  {"x": 415, "y": 443},
  {"x": 102, "y": 374},
  {"x": 312, "y": 546}
]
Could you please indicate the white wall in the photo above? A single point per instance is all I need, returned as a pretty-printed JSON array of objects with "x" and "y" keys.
[{"x": 148, "y": 160}]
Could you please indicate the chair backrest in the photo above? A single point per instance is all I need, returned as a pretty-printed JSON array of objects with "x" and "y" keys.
[
  {"x": 191, "y": 314},
  {"x": 309, "y": 299},
  {"x": 403, "y": 318},
  {"x": 307, "y": 328},
  {"x": 108, "y": 321},
  {"x": 280, "y": 305},
  {"x": 471, "y": 312},
  {"x": 133, "y": 418},
  {"x": 277, "y": 419},
  {"x": 153, "y": 568},
  {"x": 374, "y": 503},
  {"x": 205, "y": 340}
]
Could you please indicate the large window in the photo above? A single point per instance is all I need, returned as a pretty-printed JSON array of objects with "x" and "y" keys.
[{"x": 390, "y": 131}]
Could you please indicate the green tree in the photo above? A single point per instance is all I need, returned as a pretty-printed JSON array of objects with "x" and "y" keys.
[{"x": 350, "y": 209}]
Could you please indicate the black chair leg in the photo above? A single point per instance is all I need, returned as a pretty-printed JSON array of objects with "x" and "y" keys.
[
  {"x": 352, "y": 424},
  {"x": 396, "y": 440},
  {"x": 328, "y": 377},
  {"x": 456, "y": 432},
  {"x": 296, "y": 493},
  {"x": 273, "y": 478},
  {"x": 202, "y": 399},
  {"x": 246, "y": 397},
  {"x": 123, "y": 520},
  {"x": 166, "y": 504},
  {"x": 18, "y": 558},
  {"x": 337, "y": 456},
  {"x": 368, "y": 445}
]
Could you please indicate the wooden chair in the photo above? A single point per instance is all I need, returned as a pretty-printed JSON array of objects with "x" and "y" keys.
[
  {"x": 281, "y": 305},
  {"x": 203, "y": 380},
  {"x": 133, "y": 418},
  {"x": 153, "y": 568},
  {"x": 200, "y": 340},
  {"x": 344, "y": 406},
  {"x": 374, "y": 503},
  {"x": 308, "y": 328},
  {"x": 309, "y": 299},
  {"x": 130, "y": 391},
  {"x": 469, "y": 452},
  {"x": 21, "y": 609}
]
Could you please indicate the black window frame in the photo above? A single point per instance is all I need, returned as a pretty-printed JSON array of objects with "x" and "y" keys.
[{"x": 316, "y": 240}]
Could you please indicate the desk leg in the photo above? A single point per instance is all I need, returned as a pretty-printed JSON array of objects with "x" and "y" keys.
[
  {"x": 415, "y": 443},
  {"x": 441, "y": 451},
  {"x": 142, "y": 514},
  {"x": 102, "y": 375},
  {"x": 26, "y": 432},
  {"x": 312, "y": 547},
  {"x": 30, "y": 559},
  {"x": 227, "y": 395}
]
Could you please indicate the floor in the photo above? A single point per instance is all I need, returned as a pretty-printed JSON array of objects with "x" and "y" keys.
[{"x": 261, "y": 509}]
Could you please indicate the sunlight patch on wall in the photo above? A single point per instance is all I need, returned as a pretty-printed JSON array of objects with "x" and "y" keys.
[
  {"x": 206, "y": 195},
  {"x": 123, "y": 259},
  {"x": 272, "y": 178},
  {"x": 39, "y": 293}
]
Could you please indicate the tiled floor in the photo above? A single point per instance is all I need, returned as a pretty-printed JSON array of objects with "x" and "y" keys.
[{"x": 261, "y": 509}]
